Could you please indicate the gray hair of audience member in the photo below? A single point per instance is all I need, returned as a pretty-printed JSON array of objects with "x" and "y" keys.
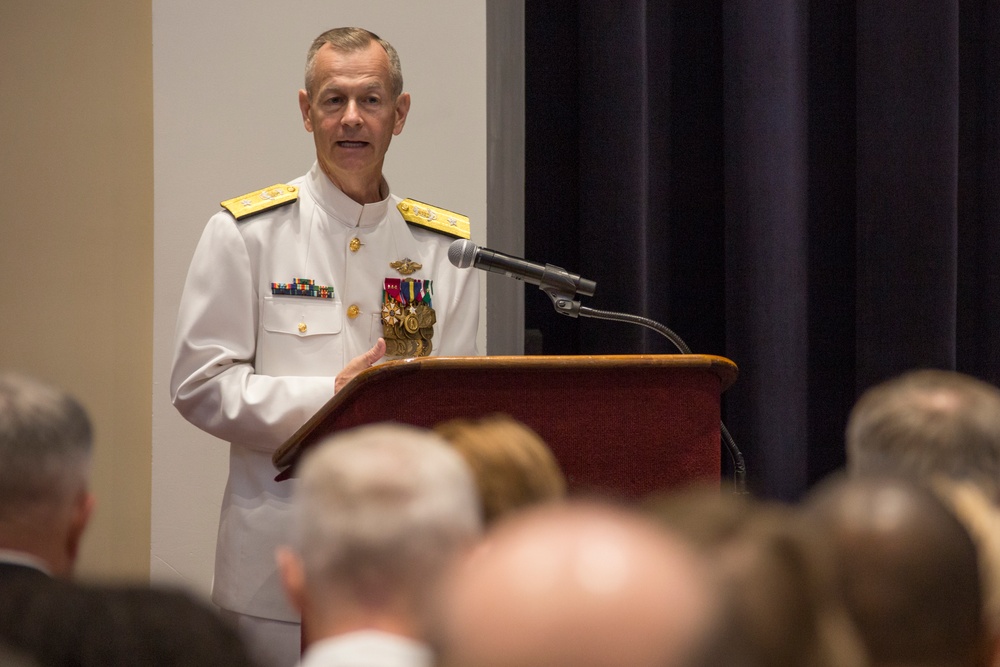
[
  {"x": 928, "y": 423},
  {"x": 347, "y": 40},
  {"x": 46, "y": 441},
  {"x": 381, "y": 509}
]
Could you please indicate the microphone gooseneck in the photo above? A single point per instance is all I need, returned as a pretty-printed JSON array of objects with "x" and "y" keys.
[{"x": 562, "y": 287}]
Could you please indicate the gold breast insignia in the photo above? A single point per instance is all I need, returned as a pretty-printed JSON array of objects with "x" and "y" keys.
[{"x": 406, "y": 266}]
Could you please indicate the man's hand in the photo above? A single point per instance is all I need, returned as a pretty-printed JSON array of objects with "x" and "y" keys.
[{"x": 358, "y": 364}]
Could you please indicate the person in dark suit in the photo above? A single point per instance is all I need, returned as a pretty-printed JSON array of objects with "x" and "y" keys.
[
  {"x": 46, "y": 619},
  {"x": 46, "y": 441}
]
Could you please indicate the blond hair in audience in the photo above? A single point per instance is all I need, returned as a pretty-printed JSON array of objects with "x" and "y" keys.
[{"x": 513, "y": 466}]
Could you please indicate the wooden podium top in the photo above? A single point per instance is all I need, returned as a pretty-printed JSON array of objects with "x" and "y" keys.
[{"x": 426, "y": 390}]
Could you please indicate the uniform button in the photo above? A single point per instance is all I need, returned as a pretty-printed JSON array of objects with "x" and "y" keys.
[
  {"x": 353, "y": 311},
  {"x": 355, "y": 244},
  {"x": 302, "y": 327}
]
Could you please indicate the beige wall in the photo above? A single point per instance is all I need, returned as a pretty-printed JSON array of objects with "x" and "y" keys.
[{"x": 76, "y": 253}]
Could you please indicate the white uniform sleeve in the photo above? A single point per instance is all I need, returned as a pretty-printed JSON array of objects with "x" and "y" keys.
[{"x": 213, "y": 383}]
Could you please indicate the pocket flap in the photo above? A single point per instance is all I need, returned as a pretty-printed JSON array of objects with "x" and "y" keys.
[{"x": 302, "y": 316}]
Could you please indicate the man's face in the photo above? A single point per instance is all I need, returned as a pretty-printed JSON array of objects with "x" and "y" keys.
[{"x": 352, "y": 115}]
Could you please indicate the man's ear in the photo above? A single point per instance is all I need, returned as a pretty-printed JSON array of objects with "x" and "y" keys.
[
  {"x": 304, "y": 105},
  {"x": 83, "y": 508},
  {"x": 293, "y": 577},
  {"x": 402, "y": 109}
]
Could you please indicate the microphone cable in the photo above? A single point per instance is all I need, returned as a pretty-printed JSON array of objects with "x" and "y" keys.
[{"x": 739, "y": 465}]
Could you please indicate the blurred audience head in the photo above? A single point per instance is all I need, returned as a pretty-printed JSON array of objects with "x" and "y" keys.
[
  {"x": 65, "y": 625},
  {"x": 578, "y": 585},
  {"x": 513, "y": 467},
  {"x": 778, "y": 576},
  {"x": 907, "y": 571},
  {"x": 45, "y": 453},
  {"x": 927, "y": 424},
  {"x": 379, "y": 512},
  {"x": 982, "y": 519}
]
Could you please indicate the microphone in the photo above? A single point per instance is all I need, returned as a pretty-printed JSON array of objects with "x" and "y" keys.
[{"x": 464, "y": 253}]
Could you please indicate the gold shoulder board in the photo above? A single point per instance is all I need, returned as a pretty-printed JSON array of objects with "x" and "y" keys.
[
  {"x": 436, "y": 219},
  {"x": 261, "y": 200}
]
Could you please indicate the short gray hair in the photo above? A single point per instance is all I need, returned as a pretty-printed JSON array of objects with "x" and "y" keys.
[
  {"x": 45, "y": 444},
  {"x": 382, "y": 508},
  {"x": 925, "y": 424},
  {"x": 348, "y": 40}
]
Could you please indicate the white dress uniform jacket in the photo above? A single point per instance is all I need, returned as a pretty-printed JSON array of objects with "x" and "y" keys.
[{"x": 251, "y": 367}]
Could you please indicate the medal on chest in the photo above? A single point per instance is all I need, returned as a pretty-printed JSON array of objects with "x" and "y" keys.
[{"x": 408, "y": 317}]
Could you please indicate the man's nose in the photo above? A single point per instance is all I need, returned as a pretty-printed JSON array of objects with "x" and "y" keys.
[{"x": 352, "y": 113}]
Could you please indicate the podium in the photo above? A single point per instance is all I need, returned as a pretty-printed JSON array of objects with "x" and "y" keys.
[{"x": 619, "y": 425}]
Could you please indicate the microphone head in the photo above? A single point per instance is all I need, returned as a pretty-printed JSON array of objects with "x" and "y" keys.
[{"x": 462, "y": 253}]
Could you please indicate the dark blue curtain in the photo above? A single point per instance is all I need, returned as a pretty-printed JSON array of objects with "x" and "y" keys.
[{"x": 808, "y": 188}]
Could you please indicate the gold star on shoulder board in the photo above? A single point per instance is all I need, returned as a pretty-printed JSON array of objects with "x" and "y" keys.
[{"x": 406, "y": 266}]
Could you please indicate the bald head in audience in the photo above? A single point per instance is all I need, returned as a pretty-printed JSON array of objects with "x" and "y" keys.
[
  {"x": 927, "y": 424},
  {"x": 908, "y": 571},
  {"x": 578, "y": 585},
  {"x": 45, "y": 452}
]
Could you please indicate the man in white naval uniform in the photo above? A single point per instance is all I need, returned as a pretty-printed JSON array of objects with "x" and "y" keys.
[{"x": 251, "y": 363}]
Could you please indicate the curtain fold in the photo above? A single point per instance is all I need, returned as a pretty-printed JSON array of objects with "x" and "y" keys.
[
  {"x": 907, "y": 137},
  {"x": 808, "y": 188}
]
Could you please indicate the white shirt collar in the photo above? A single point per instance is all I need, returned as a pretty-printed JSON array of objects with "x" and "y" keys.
[
  {"x": 342, "y": 208},
  {"x": 27, "y": 560},
  {"x": 367, "y": 648}
]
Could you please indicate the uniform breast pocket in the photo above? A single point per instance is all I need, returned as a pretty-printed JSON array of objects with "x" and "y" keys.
[{"x": 300, "y": 336}]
